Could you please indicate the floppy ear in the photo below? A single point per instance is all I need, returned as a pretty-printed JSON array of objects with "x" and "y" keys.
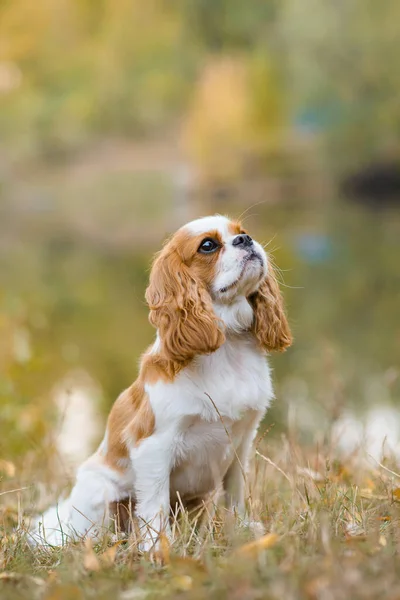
[
  {"x": 270, "y": 323},
  {"x": 181, "y": 310}
]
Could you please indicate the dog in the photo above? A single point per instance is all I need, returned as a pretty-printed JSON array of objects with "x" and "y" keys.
[{"x": 184, "y": 429}]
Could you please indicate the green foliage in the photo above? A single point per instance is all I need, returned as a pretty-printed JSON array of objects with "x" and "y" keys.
[
  {"x": 340, "y": 65},
  {"x": 73, "y": 70},
  {"x": 87, "y": 67},
  {"x": 228, "y": 25}
]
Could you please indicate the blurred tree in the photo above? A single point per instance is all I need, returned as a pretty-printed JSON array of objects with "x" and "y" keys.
[
  {"x": 237, "y": 117},
  {"x": 73, "y": 69},
  {"x": 341, "y": 66},
  {"x": 226, "y": 25},
  {"x": 86, "y": 67}
]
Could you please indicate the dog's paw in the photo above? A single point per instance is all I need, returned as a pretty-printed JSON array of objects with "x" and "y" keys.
[
  {"x": 147, "y": 544},
  {"x": 39, "y": 535},
  {"x": 156, "y": 547}
]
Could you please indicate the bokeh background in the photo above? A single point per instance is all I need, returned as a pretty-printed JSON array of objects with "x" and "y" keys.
[{"x": 119, "y": 121}]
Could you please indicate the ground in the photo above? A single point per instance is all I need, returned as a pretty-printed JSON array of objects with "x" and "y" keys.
[{"x": 332, "y": 532}]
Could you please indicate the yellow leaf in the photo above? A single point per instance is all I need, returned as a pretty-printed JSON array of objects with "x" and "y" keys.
[
  {"x": 186, "y": 566},
  {"x": 164, "y": 548},
  {"x": 160, "y": 554},
  {"x": 108, "y": 556},
  {"x": 396, "y": 494},
  {"x": 183, "y": 583},
  {"x": 382, "y": 541},
  {"x": 90, "y": 560},
  {"x": 64, "y": 592},
  {"x": 253, "y": 548},
  {"x": 7, "y": 467},
  {"x": 183, "y": 565}
]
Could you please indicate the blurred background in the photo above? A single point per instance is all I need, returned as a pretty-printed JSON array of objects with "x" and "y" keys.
[{"x": 119, "y": 121}]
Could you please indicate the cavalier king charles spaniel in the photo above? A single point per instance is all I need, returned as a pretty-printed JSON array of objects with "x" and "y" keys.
[{"x": 184, "y": 429}]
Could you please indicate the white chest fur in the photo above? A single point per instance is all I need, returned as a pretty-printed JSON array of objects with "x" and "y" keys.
[
  {"x": 217, "y": 401},
  {"x": 204, "y": 453},
  {"x": 226, "y": 383}
]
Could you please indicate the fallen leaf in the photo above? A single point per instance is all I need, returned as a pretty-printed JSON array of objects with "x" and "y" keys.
[
  {"x": 187, "y": 564},
  {"x": 369, "y": 483},
  {"x": 90, "y": 559},
  {"x": 382, "y": 541},
  {"x": 164, "y": 548},
  {"x": 64, "y": 592},
  {"x": 396, "y": 494},
  {"x": 7, "y": 467},
  {"x": 342, "y": 473},
  {"x": 183, "y": 583},
  {"x": 107, "y": 558},
  {"x": 160, "y": 555},
  {"x": 257, "y": 546}
]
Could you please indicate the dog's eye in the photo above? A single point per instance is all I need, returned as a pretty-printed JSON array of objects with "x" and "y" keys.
[{"x": 208, "y": 245}]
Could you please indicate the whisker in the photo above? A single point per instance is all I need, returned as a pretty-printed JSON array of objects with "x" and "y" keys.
[
  {"x": 274, "y": 249},
  {"x": 240, "y": 217},
  {"x": 279, "y": 275},
  {"x": 265, "y": 245},
  {"x": 291, "y": 287}
]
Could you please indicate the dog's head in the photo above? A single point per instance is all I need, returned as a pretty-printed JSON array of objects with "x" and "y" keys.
[{"x": 205, "y": 269}]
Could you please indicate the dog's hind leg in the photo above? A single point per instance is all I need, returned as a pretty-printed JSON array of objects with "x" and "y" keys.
[{"x": 86, "y": 512}]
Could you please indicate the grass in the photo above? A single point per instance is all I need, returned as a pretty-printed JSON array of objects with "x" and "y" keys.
[{"x": 332, "y": 531}]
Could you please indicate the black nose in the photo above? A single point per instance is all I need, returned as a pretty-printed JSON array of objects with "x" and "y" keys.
[{"x": 242, "y": 240}]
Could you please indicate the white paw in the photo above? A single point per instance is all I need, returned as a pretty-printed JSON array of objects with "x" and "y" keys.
[
  {"x": 52, "y": 535},
  {"x": 148, "y": 545},
  {"x": 153, "y": 541},
  {"x": 53, "y": 527}
]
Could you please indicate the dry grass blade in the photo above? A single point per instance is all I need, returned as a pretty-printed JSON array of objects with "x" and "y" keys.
[
  {"x": 270, "y": 462},
  {"x": 15, "y": 490},
  {"x": 384, "y": 467},
  {"x": 348, "y": 524}
]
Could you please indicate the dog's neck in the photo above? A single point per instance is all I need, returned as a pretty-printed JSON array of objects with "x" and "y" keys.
[{"x": 237, "y": 315}]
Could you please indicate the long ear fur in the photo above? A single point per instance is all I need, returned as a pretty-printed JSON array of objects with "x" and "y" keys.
[
  {"x": 181, "y": 310},
  {"x": 270, "y": 323}
]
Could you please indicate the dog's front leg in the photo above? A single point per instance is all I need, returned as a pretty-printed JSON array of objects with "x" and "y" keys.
[
  {"x": 234, "y": 482},
  {"x": 152, "y": 462}
]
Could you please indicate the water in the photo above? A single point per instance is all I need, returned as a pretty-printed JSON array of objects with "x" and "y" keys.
[{"x": 74, "y": 260}]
